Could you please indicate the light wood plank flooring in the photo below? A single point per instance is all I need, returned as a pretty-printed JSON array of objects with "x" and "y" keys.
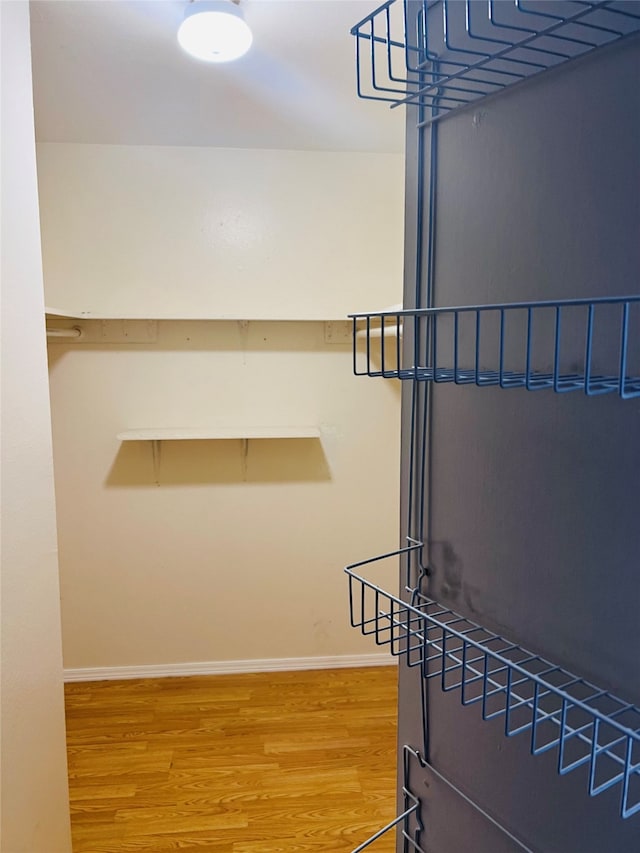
[{"x": 280, "y": 762}]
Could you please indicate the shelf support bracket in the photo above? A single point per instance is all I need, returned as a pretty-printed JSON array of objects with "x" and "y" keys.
[
  {"x": 155, "y": 455},
  {"x": 245, "y": 457}
]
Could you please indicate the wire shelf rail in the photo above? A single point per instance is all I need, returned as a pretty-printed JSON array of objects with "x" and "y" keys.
[
  {"x": 409, "y": 821},
  {"x": 589, "y": 727},
  {"x": 463, "y": 51},
  {"x": 589, "y": 345}
]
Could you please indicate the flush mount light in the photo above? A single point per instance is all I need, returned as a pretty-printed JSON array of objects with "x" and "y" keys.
[{"x": 214, "y": 31}]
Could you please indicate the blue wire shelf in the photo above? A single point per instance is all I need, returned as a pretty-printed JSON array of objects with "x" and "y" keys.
[
  {"x": 584, "y": 345},
  {"x": 465, "y": 50},
  {"x": 589, "y": 727}
]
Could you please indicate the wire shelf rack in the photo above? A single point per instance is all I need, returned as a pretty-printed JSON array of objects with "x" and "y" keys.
[
  {"x": 463, "y": 51},
  {"x": 588, "y": 345},
  {"x": 589, "y": 727},
  {"x": 409, "y": 821}
]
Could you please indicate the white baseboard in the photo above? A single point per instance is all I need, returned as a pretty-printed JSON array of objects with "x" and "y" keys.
[{"x": 116, "y": 673}]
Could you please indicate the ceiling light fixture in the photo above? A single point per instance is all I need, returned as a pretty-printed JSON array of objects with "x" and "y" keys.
[{"x": 214, "y": 31}]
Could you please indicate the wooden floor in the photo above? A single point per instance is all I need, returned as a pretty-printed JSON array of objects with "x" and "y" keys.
[{"x": 268, "y": 763}]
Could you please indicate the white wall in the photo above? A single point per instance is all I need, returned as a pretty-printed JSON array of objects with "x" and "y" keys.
[
  {"x": 35, "y": 813},
  {"x": 156, "y": 231},
  {"x": 228, "y": 559}
]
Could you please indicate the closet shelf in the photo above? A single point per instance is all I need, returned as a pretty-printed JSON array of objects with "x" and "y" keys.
[
  {"x": 60, "y": 314},
  {"x": 371, "y": 333},
  {"x": 587, "y": 726},
  {"x": 464, "y": 51},
  {"x": 589, "y": 345},
  {"x": 214, "y": 433}
]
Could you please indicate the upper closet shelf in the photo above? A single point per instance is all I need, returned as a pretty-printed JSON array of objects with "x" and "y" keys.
[
  {"x": 207, "y": 433},
  {"x": 62, "y": 314},
  {"x": 463, "y": 51},
  {"x": 59, "y": 313},
  {"x": 589, "y": 345}
]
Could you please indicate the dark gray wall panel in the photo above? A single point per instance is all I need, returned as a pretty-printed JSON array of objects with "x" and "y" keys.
[{"x": 534, "y": 516}]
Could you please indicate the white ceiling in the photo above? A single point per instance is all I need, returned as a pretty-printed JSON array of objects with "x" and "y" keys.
[{"x": 111, "y": 71}]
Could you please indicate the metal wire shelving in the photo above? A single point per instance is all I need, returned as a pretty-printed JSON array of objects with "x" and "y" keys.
[
  {"x": 558, "y": 710},
  {"x": 442, "y": 56},
  {"x": 465, "y": 51},
  {"x": 588, "y": 345},
  {"x": 408, "y": 821}
]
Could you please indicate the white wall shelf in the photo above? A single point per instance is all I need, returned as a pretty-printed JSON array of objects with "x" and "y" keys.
[
  {"x": 216, "y": 433},
  {"x": 155, "y": 435},
  {"x": 64, "y": 314},
  {"x": 376, "y": 332}
]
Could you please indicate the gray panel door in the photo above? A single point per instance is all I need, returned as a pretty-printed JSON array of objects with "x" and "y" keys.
[{"x": 533, "y": 510}]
